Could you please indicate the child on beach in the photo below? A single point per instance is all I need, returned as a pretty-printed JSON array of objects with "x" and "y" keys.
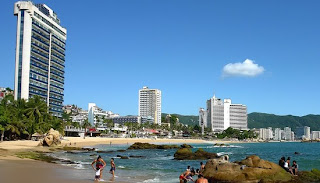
[
  {"x": 113, "y": 167},
  {"x": 97, "y": 176}
]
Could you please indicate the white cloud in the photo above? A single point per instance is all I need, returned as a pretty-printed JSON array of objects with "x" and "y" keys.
[{"x": 247, "y": 68}]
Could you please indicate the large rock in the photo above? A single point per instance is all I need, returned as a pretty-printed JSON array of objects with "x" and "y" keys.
[
  {"x": 52, "y": 138},
  {"x": 139, "y": 145},
  {"x": 187, "y": 154},
  {"x": 186, "y": 146},
  {"x": 252, "y": 169}
]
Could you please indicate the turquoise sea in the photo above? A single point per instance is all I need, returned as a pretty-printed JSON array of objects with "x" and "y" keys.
[{"x": 159, "y": 166}]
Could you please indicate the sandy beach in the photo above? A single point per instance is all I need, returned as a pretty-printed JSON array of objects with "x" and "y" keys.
[
  {"x": 91, "y": 141},
  {"x": 32, "y": 171}
]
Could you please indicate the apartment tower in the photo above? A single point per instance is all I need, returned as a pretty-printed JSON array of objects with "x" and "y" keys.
[
  {"x": 222, "y": 114},
  {"x": 40, "y": 55},
  {"x": 150, "y": 104}
]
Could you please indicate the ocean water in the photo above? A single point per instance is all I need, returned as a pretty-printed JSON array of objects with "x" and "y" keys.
[{"x": 159, "y": 165}]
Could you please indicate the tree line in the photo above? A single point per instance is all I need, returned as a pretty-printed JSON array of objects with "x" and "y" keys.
[{"x": 20, "y": 119}]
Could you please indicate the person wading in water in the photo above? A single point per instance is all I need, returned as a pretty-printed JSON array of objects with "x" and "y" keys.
[{"x": 99, "y": 164}]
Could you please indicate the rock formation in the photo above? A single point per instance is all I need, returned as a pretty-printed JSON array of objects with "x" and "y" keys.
[
  {"x": 52, "y": 138},
  {"x": 139, "y": 145},
  {"x": 252, "y": 169},
  {"x": 186, "y": 146},
  {"x": 187, "y": 154}
]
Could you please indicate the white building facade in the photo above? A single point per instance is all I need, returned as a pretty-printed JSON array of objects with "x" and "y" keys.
[
  {"x": 150, "y": 104},
  {"x": 287, "y": 134},
  {"x": 96, "y": 115},
  {"x": 266, "y": 133},
  {"x": 223, "y": 114},
  {"x": 40, "y": 55},
  {"x": 307, "y": 134},
  {"x": 277, "y": 134},
  {"x": 315, "y": 135}
]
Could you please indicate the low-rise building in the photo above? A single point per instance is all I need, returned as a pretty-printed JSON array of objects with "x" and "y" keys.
[{"x": 127, "y": 119}]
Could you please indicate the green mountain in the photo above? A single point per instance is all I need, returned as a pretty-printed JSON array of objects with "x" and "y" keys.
[
  {"x": 185, "y": 119},
  {"x": 264, "y": 120}
]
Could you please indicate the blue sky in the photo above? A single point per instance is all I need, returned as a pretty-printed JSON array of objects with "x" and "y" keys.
[{"x": 183, "y": 48}]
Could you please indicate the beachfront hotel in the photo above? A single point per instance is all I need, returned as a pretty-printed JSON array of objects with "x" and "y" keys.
[
  {"x": 150, "y": 104},
  {"x": 222, "y": 114},
  {"x": 40, "y": 55}
]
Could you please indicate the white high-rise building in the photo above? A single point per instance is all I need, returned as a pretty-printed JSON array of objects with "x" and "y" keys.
[
  {"x": 150, "y": 104},
  {"x": 287, "y": 134},
  {"x": 266, "y": 133},
  {"x": 223, "y": 114},
  {"x": 277, "y": 134},
  {"x": 307, "y": 133},
  {"x": 40, "y": 55}
]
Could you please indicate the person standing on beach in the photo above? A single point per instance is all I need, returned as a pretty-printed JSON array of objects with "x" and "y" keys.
[
  {"x": 113, "y": 167},
  {"x": 100, "y": 163}
]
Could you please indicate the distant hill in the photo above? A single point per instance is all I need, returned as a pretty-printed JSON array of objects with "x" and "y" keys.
[
  {"x": 264, "y": 120},
  {"x": 185, "y": 119}
]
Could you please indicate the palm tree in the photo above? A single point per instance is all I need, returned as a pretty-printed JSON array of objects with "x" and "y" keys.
[
  {"x": 85, "y": 125},
  {"x": 36, "y": 110},
  {"x": 19, "y": 108}
]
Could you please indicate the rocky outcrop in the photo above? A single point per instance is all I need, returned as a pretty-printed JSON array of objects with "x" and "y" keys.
[
  {"x": 186, "y": 146},
  {"x": 187, "y": 154},
  {"x": 307, "y": 176},
  {"x": 123, "y": 157},
  {"x": 252, "y": 169},
  {"x": 52, "y": 138},
  {"x": 221, "y": 145},
  {"x": 139, "y": 145},
  {"x": 133, "y": 156}
]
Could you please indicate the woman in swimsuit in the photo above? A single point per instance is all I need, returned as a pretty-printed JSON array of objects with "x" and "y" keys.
[{"x": 99, "y": 164}]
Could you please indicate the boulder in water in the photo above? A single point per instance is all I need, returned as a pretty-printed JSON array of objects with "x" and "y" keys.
[
  {"x": 123, "y": 157},
  {"x": 251, "y": 169},
  {"x": 187, "y": 154},
  {"x": 139, "y": 145},
  {"x": 186, "y": 146}
]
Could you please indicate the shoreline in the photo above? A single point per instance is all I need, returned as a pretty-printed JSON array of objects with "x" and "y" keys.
[{"x": 23, "y": 145}]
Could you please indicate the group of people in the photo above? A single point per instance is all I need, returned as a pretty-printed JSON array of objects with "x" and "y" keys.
[
  {"x": 100, "y": 164},
  {"x": 285, "y": 164},
  {"x": 190, "y": 172}
]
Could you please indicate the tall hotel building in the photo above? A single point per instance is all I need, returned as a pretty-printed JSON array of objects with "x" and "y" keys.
[
  {"x": 150, "y": 104},
  {"x": 40, "y": 55},
  {"x": 222, "y": 114}
]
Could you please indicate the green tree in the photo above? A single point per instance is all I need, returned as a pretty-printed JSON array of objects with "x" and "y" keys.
[
  {"x": 85, "y": 125},
  {"x": 109, "y": 123}
]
